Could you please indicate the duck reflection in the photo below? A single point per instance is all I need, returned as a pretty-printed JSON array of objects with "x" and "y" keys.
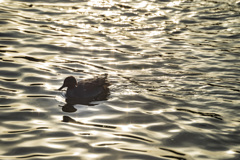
[
  {"x": 71, "y": 120},
  {"x": 85, "y": 91},
  {"x": 68, "y": 108}
]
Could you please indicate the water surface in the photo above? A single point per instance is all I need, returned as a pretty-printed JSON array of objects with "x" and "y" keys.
[{"x": 173, "y": 66}]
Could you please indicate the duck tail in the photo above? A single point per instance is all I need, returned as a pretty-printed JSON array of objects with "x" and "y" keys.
[
  {"x": 104, "y": 76},
  {"x": 103, "y": 79}
]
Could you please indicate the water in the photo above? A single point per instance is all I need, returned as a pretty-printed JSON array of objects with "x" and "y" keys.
[{"x": 173, "y": 66}]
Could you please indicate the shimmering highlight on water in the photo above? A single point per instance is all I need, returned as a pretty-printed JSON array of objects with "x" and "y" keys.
[{"x": 173, "y": 66}]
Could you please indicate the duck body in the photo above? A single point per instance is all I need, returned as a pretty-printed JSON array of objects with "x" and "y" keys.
[{"x": 86, "y": 90}]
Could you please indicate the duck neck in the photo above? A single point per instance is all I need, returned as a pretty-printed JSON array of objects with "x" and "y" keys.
[{"x": 71, "y": 86}]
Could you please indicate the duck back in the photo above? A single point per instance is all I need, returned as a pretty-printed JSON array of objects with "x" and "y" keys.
[{"x": 90, "y": 89}]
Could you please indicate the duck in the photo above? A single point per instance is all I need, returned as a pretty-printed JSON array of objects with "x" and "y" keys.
[{"x": 85, "y": 91}]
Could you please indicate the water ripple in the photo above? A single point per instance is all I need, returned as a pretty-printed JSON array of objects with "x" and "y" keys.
[{"x": 173, "y": 68}]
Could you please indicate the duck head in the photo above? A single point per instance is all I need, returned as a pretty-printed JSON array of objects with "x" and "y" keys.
[{"x": 69, "y": 82}]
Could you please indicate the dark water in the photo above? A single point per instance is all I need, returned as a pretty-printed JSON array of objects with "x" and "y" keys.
[{"x": 173, "y": 65}]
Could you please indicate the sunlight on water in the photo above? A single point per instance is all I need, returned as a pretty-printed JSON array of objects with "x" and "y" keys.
[
  {"x": 174, "y": 3},
  {"x": 172, "y": 90},
  {"x": 101, "y": 3}
]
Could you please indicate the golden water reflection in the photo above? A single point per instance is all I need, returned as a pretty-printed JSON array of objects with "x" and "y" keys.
[{"x": 173, "y": 68}]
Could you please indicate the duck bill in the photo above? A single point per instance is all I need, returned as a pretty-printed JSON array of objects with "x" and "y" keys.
[{"x": 61, "y": 88}]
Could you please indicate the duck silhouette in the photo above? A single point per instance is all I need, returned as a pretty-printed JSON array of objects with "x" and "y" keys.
[{"x": 85, "y": 91}]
